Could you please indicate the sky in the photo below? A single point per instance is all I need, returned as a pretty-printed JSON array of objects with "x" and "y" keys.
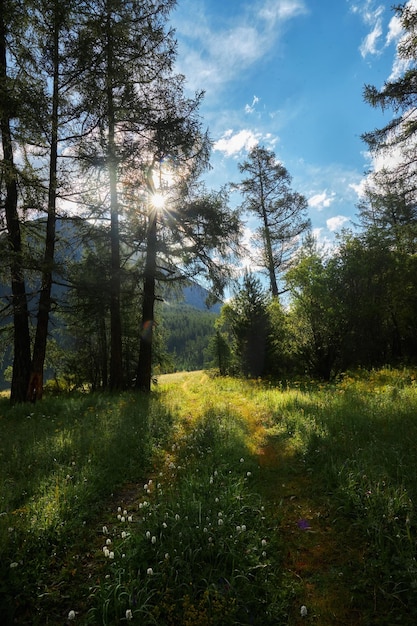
[{"x": 289, "y": 75}]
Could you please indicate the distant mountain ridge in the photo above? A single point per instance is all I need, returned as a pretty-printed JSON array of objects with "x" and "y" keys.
[{"x": 195, "y": 296}]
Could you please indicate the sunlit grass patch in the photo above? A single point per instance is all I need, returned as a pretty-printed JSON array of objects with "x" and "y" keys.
[
  {"x": 198, "y": 550},
  {"x": 58, "y": 460},
  {"x": 210, "y": 458}
]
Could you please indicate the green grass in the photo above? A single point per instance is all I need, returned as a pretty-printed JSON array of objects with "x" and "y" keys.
[{"x": 158, "y": 509}]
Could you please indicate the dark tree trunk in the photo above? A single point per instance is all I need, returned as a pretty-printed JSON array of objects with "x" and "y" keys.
[
  {"x": 35, "y": 388},
  {"x": 116, "y": 364},
  {"x": 21, "y": 337},
  {"x": 144, "y": 371}
]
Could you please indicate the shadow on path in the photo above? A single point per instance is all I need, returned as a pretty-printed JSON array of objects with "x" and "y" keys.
[{"x": 321, "y": 558}]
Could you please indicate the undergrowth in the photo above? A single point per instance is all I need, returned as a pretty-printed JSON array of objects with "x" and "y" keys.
[{"x": 195, "y": 544}]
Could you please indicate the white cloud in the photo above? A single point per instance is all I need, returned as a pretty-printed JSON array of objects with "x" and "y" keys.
[
  {"x": 321, "y": 200},
  {"x": 395, "y": 35},
  {"x": 394, "y": 31},
  {"x": 232, "y": 143},
  {"x": 281, "y": 10},
  {"x": 250, "y": 108},
  {"x": 336, "y": 222},
  {"x": 359, "y": 188},
  {"x": 370, "y": 43},
  {"x": 371, "y": 14},
  {"x": 211, "y": 56}
]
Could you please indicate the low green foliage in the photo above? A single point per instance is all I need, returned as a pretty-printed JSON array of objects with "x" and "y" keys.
[
  {"x": 357, "y": 438},
  {"x": 195, "y": 543},
  {"x": 59, "y": 460},
  {"x": 199, "y": 551}
]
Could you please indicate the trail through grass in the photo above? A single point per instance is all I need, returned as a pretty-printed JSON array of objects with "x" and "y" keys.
[
  {"x": 215, "y": 501},
  {"x": 338, "y": 471},
  {"x": 319, "y": 558}
]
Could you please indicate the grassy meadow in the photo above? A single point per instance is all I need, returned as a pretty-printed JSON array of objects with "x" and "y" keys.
[{"x": 215, "y": 501}]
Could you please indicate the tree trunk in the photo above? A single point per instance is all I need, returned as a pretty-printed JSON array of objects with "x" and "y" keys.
[
  {"x": 21, "y": 337},
  {"x": 144, "y": 370},
  {"x": 35, "y": 388},
  {"x": 269, "y": 255},
  {"x": 116, "y": 366}
]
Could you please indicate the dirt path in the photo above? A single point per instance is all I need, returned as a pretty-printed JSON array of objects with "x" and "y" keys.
[{"x": 320, "y": 558}]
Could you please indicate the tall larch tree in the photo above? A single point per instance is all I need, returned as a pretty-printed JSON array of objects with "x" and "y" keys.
[
  {"x": 54, "y": 128},
  {"x": 12, "y": 23},
  {"x": 282, "y": 212},
  {"x": 124, "y": 48}
]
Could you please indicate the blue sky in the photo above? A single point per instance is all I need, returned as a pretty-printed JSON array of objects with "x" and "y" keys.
[{"x": 289, "y": 75}]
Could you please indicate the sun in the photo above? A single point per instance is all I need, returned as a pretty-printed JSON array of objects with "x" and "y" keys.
[{"x": 158, "y": 200}]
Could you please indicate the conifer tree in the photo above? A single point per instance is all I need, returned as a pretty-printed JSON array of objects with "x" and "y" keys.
[
  {"x": 12, "y": 22},
  {"x": 281, "y": 211}
]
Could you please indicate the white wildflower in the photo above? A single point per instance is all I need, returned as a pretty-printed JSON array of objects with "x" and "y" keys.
[
  {"x": 71, "y": 615},
  {"x": 105, "y": 530},
  {"x": 303, "y": 611},
  {"x": 129, "y": 614},
  {"x": 149, "y": 571}
]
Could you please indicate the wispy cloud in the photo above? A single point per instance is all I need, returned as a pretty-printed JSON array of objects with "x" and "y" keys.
[
  {"x": 371, "y": 14},
  {"x": 273, "y": 11},
  {"x": 371, "y": 41},
  {"x": 250, "y": 108},
  {"x": 394, "y": 36},
  {"x": 212, "y": 55}
]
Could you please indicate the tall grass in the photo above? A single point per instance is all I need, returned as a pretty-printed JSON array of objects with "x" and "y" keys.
[
  {"x": 59, "y": 461},
  {"x": 358, "y": 441},
  {"x": 118, "y": 508},
  {"x": 198, "y": 549}
]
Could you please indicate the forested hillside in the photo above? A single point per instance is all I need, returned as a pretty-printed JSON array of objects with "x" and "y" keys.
[{"x": 188, "y": 333}]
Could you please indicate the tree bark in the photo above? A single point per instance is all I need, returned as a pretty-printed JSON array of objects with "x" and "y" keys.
[
  {"x": 21, "y": 337},
  {"x": 35, "y": 388},
  {"x": 116, "y": 364},
  {"x": 144, "y": 370}
]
